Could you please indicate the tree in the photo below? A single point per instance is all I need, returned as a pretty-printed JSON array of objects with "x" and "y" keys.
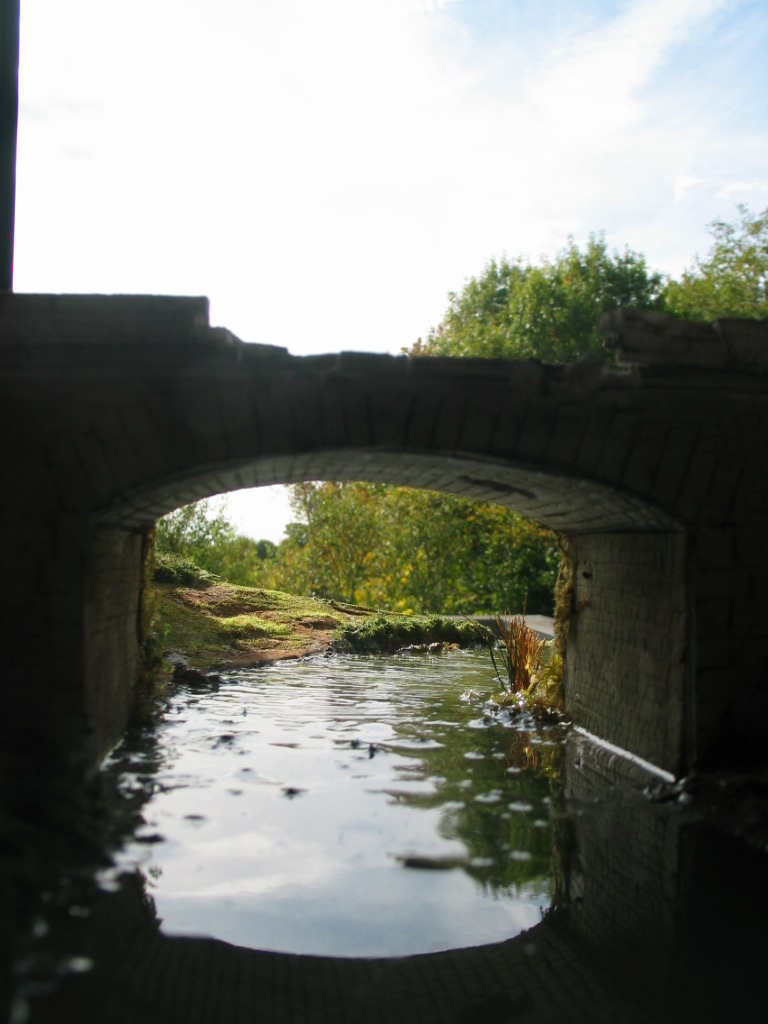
[
  {"x": 197, "y": 532},
  {"x": 332, "y": 544},
  {"x": 550, "y": 312},
  {"x": 411, "y": 550},
  {"x": 202, "y": 533},
  {"x": 733, "y": 280}
]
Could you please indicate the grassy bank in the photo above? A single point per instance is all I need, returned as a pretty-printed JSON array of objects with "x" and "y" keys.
[{"x": 213, "y": 624}]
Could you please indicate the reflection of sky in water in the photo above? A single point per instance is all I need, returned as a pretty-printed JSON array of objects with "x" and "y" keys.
[
  {"x": 363, "y": 913},
  {"x": 283, "y": 802}
]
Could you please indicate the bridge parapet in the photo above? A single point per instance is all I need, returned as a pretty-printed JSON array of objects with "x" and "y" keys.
[{"x": 650, "y": 339}]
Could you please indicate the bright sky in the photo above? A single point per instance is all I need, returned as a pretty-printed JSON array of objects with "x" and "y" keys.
[{"x": 326, "y": 171}]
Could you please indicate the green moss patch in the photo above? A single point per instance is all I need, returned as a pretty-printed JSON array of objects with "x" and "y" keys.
[{"x": 383, "y": 631}]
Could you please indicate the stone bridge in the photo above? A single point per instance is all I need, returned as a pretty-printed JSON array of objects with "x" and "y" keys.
[{"x": 116, "y": 410}]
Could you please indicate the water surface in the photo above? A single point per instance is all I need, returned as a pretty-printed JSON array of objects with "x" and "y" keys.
[{"x": 348, "y": 806}]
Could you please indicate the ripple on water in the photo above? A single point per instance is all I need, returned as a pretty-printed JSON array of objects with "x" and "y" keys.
[{"x": 311, "y": 852}]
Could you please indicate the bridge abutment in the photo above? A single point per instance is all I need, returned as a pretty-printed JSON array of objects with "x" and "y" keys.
[
  {"x": 628, "y": 667},
  {"x": 112, "y": 632}
]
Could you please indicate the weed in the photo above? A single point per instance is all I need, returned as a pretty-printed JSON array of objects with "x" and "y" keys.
[{"x": 520, "y": 650}]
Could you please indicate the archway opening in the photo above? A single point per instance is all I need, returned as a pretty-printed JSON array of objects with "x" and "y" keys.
[{"x": 621, "y": 543}]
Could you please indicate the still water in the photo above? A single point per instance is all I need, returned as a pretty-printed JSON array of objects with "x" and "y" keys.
[{"x": 347, "y": 806}]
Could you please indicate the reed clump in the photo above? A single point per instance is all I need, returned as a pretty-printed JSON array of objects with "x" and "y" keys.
[{"x": 520, "y": 651}]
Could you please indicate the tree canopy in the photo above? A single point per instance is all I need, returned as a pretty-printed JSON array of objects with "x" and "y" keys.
[
  {"x": 412, "y": 551},
  {"x": 733, "y": 279},
  {"x": 549, "y": 311}
]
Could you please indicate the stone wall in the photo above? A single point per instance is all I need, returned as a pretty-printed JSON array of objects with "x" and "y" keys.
[
  {"x": 111, "y": 628},
  {"x": 627, "y": 666}
]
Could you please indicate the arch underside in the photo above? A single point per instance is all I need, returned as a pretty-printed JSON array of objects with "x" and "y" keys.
[{"x": 563, "y": 502}]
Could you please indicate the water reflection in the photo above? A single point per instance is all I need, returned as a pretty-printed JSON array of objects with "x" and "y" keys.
[
  {"x": 666, "y": 885},
  {"x": 283, "y": 808},
  {"x": 660, "y": 891}
]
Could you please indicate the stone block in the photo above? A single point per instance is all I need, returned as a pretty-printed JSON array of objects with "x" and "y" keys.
[
  {"x": 274, "y": 418},
  {"x": 566, "y": 437},
  {"x": 715, "y": 546},
  {"x": 479, "y": 425},
  {"x": 644, "y": 458},
  {"x": 449, "y": 423},
  {"x": 676, "y": 455},
  {"x": 357, "y": 420},
  {"x": 102, "y": 319},
  {"x": 506, "y": 431},
  {"x": 388, "y": 413},
  {"x": 619, "y": 440},
  {"x": 596, "y": 431},
  {"x": 693, "y": 492},
  {"x": 238, "y": 421},
  {"x": 729, "y": 471},
  {"x": 536, "y": 431}
]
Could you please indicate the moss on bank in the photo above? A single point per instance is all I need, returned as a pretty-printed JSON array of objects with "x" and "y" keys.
[{"x": 384, "y": 631}]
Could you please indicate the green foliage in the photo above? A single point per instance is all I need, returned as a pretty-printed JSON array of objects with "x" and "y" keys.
[
  {"x": 733, "y": 280},
  {"x": 195, "y": 531},
  {"x": 202, "y": 536},
  {"x": 549, "y": 312},
  {"x": 412, "y": 551},
  {"x": 332, "y": 545}
]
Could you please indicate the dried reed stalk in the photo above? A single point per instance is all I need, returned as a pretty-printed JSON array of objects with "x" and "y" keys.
[{"x": 521, "y": 650}]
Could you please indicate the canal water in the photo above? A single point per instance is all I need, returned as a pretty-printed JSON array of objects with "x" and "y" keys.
[
  {"x": 346, "y": 806},
  {"x": 375, "y": 807}
]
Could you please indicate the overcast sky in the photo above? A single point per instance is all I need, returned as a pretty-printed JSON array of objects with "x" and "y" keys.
[{"x": 326, "y": 171}]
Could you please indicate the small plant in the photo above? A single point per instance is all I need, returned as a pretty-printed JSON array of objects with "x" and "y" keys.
[{"x": 520, "y": 650}]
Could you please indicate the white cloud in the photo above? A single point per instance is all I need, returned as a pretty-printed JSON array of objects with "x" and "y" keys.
[
  {"x": 743, "y": 191},
  {"x": 685, "y": 184},
  {"x": 328, "y": 172}
]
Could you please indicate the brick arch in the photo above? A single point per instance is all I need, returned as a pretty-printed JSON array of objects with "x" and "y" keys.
[
  {"x": 565, "y": 503},
  {"x": 118, "y": 409}
]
